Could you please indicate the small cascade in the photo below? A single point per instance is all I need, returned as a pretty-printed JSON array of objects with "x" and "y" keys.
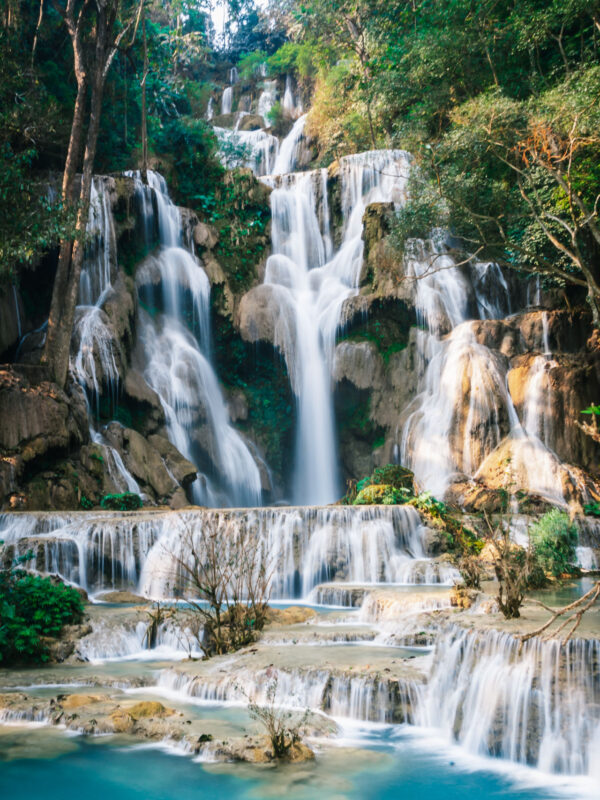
[
  {"x": 292, "y": 106},
  {"x": 210, "y": 109},
  {"x": 254, "y": 149},
  {"x": 369, "y": 698},
  {"x": 287, "y": 158},
  {"x": 267, "y": 99},
  {"x": 463, "y": 418},
  {"x": 535, "y": 703},
  {"x": 129, "y": 641},
  {"x": 95, "y": 551},
  {"x": 177, "y": 360},
  {"x": 536, "y": 419},
  {"x": 227, "y": 100},
  {"x": 311, "y": 286}
]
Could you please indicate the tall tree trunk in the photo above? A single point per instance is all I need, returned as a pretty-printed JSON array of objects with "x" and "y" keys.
[
  {"x": 144, "y": 169},
  {"x": 66, "y": 284}
]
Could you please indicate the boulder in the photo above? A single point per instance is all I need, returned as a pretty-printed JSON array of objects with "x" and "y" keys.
[
  {"x": 359, "y": 363},
  {"x": 145, "y": 400},
  {"x": 266, "y": 314},
  {"x": 251, "y": 122},
  {"x": 120, "y": 308},
  {"x": 205, "y": 236},
  {"x": 182, "y": 470}
]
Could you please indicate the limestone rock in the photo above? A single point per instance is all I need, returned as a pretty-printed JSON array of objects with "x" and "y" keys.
[
  {"x": 182, "y": 470},
  {"x": 143, "y": 398},
  {"x": 251, "y": 122},
  {"x": 120, "y": 308},
  {"x": 357, "y": 362},
  {"x": 266, "y": 314},
  {"x": 205, "y": 236}
]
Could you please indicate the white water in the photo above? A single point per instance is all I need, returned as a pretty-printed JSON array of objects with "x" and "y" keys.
[
  {"x": 177, "y": 362},
  {"x": 301, "y": 547},
  {"x": 310, "y": 289},
  {"x": 227, "y": 100},
  {"x": 538, "y": 706},
  {"x": 94, "y": 364},
  {"x": 463, "y": 410}
]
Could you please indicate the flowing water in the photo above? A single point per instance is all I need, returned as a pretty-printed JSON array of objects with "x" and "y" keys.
[
  {"x": 177, "y": 357},
  {"x": 377, "y": 767}
]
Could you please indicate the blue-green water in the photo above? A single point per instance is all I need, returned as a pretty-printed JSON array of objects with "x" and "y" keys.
[{"x": 380, "y": 769}]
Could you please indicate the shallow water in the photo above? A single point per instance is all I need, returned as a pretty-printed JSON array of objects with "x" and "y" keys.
[{"x": 378, "y": 768}]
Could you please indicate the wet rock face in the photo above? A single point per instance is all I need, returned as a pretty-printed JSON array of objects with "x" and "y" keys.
[{"x": 38, "y": 421}]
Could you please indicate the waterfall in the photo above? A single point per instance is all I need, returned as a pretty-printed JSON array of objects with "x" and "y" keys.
[
  {"x": 535, "y": 704},
  {"x": 94, "y": 365},
  {"x": 463, "y": 413},
  {"x": 370, "y": 698},
  {"x": 255, "y": 149},
  {"x": 177, "y": 360},
  {"x": 267, "y": 99},
  {"x": 287, "y": 157},
  {"x": 311, "y": 287},
  {"x": 227, "y": 100},
  {"x": 302, "y": 547}
]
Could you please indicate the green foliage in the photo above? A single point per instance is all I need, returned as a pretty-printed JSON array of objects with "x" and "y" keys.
[
  {"x": 554, "y": 539},
  {"x": 275, "y": 115},
  {"x": 128, "y": 501},
  {"x": 240, "y": 212},
  {"x": 294, "y": 57},
  {"x": 86, "y": 503},
  {"x": 593, "y": 509},
  {"x": 381, "y": 494},
  {"x": 249, "y": 65},
  {"x": 592, "y": 409},
  {"x": 31, "y": 608},
  {"x": 427, "y": 503}
]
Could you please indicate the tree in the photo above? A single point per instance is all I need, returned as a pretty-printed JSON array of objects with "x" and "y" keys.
[
  {"x": 105, "y": 39},
  {"x": 554, "y": 539},
  {"x": 283, "y": 727},
  {"x": 513, "y": 565},
  {"x": 221, "y": 573}
]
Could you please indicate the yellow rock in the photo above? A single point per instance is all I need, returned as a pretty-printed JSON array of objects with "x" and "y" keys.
[
  {"x": 149, "y": 708},
  {"x": 78, "y": 700}
]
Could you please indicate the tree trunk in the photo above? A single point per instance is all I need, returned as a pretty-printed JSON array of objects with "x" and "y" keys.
[
  {"x": 144, "y": 169},
  {"x": 66, "y": 284}
]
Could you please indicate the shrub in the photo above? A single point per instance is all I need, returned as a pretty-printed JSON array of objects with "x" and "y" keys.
[
  {"x": 128, "y": 501},
  {"x": 554, "y": 539},
  {"x": 31, "y": 608},
  {"x": 381, "y": 494}
]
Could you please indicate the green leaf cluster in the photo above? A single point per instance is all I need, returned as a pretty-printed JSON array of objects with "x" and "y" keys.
[
  {"x": 554, "y": 538},
  {"x": 32, "y": 608},
  {"x": 127, "y": 501}
]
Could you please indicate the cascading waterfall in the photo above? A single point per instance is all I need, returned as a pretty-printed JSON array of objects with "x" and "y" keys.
[
  {"x": 368, "y": 698},
  {"x": 311, "y": 286},
  {"x": 463, "y": 410},
  {"x": 177, "y": 360},
  {"x": 227, "y": 100},
  {"x": 302, "y": 547},
  {"x": 94, "y": 364},
  {"x": 535, "y": 703}
]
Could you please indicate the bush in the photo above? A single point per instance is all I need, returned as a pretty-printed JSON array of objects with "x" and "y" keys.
[
  {"x": 31, "y": 608},
  {"x": 554, "y": 539},
  {"x": 128, "y": 501},
  {"x": 381, "y": 494}
]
